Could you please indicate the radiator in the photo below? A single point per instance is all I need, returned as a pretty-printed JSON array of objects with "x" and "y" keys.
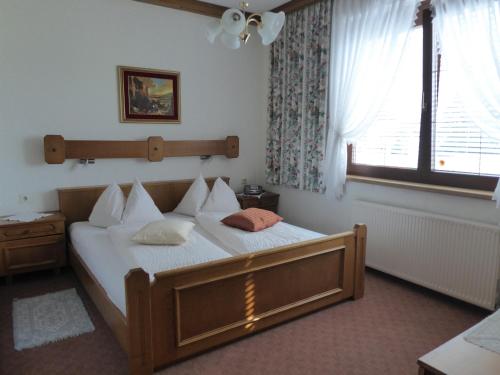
[{"x": 456, "y": 257}]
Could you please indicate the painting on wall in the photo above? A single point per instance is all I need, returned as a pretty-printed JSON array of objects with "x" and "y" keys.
[{"x": 149, "y": 95}]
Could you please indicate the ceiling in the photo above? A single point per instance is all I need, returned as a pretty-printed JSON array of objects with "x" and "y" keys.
[{"x": 255, "y": 5}]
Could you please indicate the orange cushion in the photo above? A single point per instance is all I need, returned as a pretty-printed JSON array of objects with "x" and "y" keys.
[{"x": 252, "y": 219}]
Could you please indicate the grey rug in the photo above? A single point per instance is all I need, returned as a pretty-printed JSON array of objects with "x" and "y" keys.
[{"x": 49, "y": 318}]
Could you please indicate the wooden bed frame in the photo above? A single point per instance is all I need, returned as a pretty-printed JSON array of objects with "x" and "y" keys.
[{"x": 192, "y": 309}]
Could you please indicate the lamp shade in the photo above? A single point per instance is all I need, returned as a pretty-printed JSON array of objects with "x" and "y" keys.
[
  {"x": 230, "y": 41},
  {"x": 213, "y": 30},
  {"x": 233, "y": 21},
  {"x": 271, "y": 25}
]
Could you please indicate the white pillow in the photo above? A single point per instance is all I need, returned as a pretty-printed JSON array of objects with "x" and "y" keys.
[
  {"x": 140, "y": 206},
  {"x": 194, "y": 198},
  {"x": 164, "y": 232},
  {"x": 109, "y": 207},
  {"x": 221, "y": 198}
]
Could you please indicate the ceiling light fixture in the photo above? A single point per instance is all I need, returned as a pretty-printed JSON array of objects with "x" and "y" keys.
[{"x": 233, "y": 26}]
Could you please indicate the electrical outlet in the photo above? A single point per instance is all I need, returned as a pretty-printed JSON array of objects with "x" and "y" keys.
[
  {"x": 244, "y": 181},
  {"x": 23, "y": 198}
]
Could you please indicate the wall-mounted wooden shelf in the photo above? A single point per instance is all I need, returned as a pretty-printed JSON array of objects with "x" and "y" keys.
[{"x": 57, "y": 149}]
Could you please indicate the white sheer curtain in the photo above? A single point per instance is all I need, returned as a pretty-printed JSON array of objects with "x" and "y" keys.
[
  {"x": 469, "y": 33},
  {"x": 368, "y": 39}
]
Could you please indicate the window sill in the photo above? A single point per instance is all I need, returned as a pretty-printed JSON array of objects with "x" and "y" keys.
[{"x": 469, "y": 193}]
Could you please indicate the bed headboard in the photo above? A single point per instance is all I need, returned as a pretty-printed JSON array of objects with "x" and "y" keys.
[{"x": 77, "y": 203}]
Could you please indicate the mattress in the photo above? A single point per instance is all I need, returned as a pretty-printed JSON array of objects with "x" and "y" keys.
[
  {"x": 110, "y": 257},
  {"x": 243, "y": 242},
  {"x": 94, "y": 246}
]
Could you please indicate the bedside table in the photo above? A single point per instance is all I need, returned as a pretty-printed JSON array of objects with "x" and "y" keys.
[
  {"x": 266, "y": 201},
  {"x": 32, "y": 246}
]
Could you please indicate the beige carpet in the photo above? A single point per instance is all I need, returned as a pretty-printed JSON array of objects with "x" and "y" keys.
[{"x": 383, "y": 333}]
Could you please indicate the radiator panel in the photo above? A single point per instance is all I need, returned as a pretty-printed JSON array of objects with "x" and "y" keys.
[{"x": 452, "y": 256}]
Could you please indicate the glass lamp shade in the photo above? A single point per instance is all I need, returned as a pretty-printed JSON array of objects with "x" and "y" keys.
[
  {"x": 233, "y": 21},
  {"x": 230, "y": 41},
  {"x": 213, "y": 30},
  {"x": 272, "y": 23}
]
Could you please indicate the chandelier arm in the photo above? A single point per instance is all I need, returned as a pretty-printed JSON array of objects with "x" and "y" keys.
[{"x": 253, "y": 18}]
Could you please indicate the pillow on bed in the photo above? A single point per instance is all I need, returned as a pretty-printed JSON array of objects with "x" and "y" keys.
[
  {"x": 164, "y": 232},
  {"x": 252, "y": 219},
  {"x": 194, "y": 198},
  {"x": 221, "y": 198},
  {"x": 140, "y": 206},
  {"x": 109, "y": 207}
]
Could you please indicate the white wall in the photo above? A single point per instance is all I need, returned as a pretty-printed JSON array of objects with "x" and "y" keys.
[
  {"x": 318, "y": 212},
  {"x": 58, "y": 62}
]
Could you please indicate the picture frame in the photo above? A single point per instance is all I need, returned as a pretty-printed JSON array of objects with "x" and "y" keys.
[{"x": 149, "y": 95}]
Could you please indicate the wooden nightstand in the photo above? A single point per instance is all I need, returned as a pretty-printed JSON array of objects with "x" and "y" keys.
[
  {"x": 31, "y": 246},
  {"x": 266, "y": 201}
]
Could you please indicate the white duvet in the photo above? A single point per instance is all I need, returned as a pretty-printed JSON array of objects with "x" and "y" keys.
[
  {"x": 242, "y": 242},
  {"x": 156, "y": 258}
]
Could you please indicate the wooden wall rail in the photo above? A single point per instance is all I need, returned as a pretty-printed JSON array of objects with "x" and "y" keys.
[
  {"x": 57, "y": 149},
  {"x": 193, "y": 6},
  {"x": 213, "y": 10},
  {"x": 292, "y": 6}
]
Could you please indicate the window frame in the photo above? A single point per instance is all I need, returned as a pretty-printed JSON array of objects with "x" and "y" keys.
[{"x": 424, "y": 173}]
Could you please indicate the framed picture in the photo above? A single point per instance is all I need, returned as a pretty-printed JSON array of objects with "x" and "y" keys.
[{"x": 149, "y": 95}]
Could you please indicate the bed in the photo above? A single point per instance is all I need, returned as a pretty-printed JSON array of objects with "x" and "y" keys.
[{"x": 155, "y": 314}]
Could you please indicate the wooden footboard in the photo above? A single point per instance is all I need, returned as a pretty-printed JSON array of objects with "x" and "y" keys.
[{"x": 189, "y": 310}]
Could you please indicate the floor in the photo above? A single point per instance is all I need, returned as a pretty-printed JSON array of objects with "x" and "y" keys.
[{"x": 383, "y": 333}]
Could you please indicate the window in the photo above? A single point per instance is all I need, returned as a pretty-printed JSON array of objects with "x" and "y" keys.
[
  {"x": 459, "y": 146},
  {"x": 423, "y": 134},
  {"x": 393, "y": 140}
]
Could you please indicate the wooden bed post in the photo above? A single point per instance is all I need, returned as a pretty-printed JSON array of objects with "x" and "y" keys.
[
  {"x": 140, "y": 343},
  {"x": 359, "y": 272}
]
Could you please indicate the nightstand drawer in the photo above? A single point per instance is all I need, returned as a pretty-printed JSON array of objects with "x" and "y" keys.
[
  {"x": 249, "y": 202},
  {"x": 33, "y": 254},
  {"x": 266, "y": 201},
  {"x": 31, "y": 230},
  {"x": 269, "y": 201}
]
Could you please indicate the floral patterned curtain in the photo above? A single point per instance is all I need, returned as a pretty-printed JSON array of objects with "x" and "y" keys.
[{"x": 298, "y": 91}]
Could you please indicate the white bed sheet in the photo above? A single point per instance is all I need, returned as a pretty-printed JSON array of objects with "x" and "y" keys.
[
  {"x": 94, "y": 246},
  {"x": 110, "y": 263},
  {"x": 156, "y": 258},
  {"x": 211, "y": 240},
  {"x": 243, "y": 242}
]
